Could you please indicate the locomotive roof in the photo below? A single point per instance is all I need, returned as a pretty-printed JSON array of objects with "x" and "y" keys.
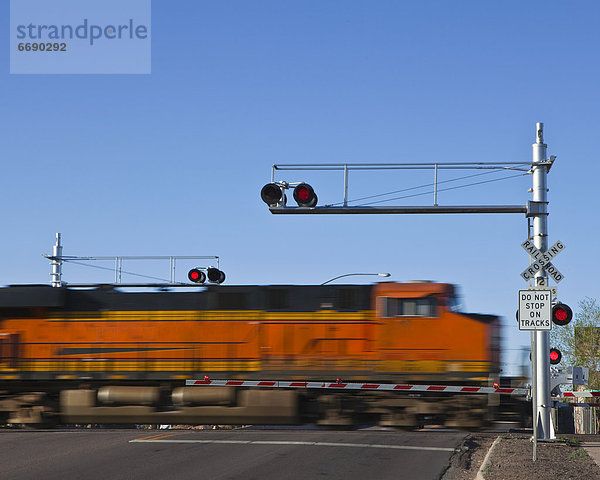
[
  {"x": 212, "y": 297},
  {"x": 209, "y": 297}
]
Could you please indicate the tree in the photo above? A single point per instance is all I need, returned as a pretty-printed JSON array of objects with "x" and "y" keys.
[{"x": 579, "y": 341}]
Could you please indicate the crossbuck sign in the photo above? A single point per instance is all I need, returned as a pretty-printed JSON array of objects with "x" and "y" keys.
[{"x": 541, "y": 260}]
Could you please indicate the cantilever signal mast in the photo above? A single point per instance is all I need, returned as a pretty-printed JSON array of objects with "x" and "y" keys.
[
  {"x": 273, "y": 194},
  {"x": 210, "y": 273}
]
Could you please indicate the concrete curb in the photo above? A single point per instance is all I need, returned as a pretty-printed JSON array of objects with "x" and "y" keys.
[
  {"x": 486, "y": 461},
  {"x": 593, "y": 450}
]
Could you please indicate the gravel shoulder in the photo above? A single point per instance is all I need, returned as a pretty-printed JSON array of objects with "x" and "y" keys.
[{"x": 512, "y": 459}]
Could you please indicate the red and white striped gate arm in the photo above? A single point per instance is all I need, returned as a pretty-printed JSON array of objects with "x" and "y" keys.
[
  {"x": 357, "y": 386},
  {"x": 580, "y": 394}
]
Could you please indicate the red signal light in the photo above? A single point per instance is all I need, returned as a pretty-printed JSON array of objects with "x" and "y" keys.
[
  {"x": 555, "y": 356},
  {"x": 561, "y": 314},
  {"x": 305, "y": 196},
  {"x": 197, "y": 276}
]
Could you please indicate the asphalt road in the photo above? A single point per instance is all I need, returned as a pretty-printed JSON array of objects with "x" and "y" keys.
[{"x": 224, "y": 454}]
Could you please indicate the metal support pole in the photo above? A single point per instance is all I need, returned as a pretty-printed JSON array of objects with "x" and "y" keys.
[
  {"x": 118, "y": 269},
  {"x": 57, "y": 263},
  {"x": 435, "y": 182},
  {"x": 542, "y": 428},
  {"x": 345, "y": 185},
  {"x": 534, "y": 391}
]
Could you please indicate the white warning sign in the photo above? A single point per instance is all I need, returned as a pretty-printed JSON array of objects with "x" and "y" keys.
[{"x": 535, "y": 309}]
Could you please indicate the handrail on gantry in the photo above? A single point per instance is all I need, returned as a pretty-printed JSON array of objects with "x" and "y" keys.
[{"x": 435, "y": 166}]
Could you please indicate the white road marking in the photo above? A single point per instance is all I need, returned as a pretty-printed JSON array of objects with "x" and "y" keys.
[{"x": 314, "y": 444}]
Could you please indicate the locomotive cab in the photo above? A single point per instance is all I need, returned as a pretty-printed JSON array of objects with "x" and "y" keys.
[{"x": 422, "y": 336}]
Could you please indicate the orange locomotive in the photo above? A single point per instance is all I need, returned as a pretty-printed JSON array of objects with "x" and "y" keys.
[{"x": 104, "y": 355}]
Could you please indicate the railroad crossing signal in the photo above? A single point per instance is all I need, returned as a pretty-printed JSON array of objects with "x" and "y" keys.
[
  {"x": 273, "y": 195},
  {"x": 561, "y": 314},
  {"x": 542, "y": 261},
  {"x": 305, "y": 195},
  {"x": 555, "y": 357},
  {"x": 196, "y": 275},
  {"x": 213, "y": 274}
]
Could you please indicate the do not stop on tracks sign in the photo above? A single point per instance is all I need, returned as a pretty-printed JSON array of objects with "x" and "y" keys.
[{"x": 535, "y": 309}]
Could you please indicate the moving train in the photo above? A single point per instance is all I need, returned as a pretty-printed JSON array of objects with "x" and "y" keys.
[{"x": 105, "y": 355}]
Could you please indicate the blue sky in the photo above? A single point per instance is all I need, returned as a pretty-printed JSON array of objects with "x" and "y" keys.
[{"x": 172, "y": 163}]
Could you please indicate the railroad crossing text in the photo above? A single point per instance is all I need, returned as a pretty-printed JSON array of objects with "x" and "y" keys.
[{"x": 541, "y": 260}]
